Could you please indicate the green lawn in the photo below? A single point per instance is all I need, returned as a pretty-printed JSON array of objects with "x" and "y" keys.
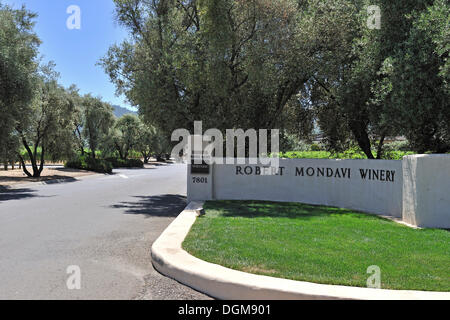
[{"x": 320, "y": 244}]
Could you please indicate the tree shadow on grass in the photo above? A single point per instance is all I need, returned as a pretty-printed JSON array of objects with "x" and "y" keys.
[
  {"x": 15, "y": 194},
  {"x": 254, "y": 209},
  {"x": 167, "y": 205}
]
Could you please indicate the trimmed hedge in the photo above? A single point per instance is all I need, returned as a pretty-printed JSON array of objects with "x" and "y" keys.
[
  {"x": 349, "y": 154},
  {"x": 87, "y": 163},
  {"x": 128, "y": 163}
]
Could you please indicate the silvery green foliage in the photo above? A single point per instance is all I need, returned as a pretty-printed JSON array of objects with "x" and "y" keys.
[
  {"x": 393, "y": 82},
  {"x": 189, "y": 61},
  {"x": 126, "y": 134},
  {"x": 18, "y": 52},
  {"x": 98, "y": 119},
  {"x": 291, "y": 65}
]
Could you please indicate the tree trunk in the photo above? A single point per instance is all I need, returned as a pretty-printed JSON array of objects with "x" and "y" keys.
[
  {"x": 80, "y": 139},
  {"x": 119, "y": 149},
  {"x": 361, "y": 136},
  {"x": 364, "y": 144},
  {"x": 41, "y": 166},
  {"x": 36, "y": 172},
  {"x": 159, "y": 158},
  {"x": 93, "y": 146},
  {"x": 146, "y": 157},
  {"x": 35, "y": 167},
  {"x": 32, "y": 159},
  {"x": 24, "y": 167},
  {"x": 5, "y": 166},
  {"x": 380, "y": 147}
]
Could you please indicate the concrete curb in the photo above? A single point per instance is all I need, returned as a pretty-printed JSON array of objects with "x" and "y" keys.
[{"x": 171, "y": 260}]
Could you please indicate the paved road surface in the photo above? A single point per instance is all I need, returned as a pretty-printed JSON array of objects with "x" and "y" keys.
[{"x": 103, "y": 224}]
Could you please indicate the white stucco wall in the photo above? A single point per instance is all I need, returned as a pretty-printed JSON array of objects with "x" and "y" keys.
[
  {"x": 426, "y": 190},
  {"x": 346, "y": 189}
]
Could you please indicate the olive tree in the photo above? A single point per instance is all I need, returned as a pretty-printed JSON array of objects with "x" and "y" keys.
[
  {"x": 18, "y": 64},
  {"x": 45, "y": 126},
  {"x": 126, "y": 134},
  {"x": 147, "y": 141},
  {"x": 228, "y": 63},
  {"x": 98, "y": 119}
]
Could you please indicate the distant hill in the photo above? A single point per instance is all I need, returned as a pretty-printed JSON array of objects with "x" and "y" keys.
[{"x": 119, "y": 111}]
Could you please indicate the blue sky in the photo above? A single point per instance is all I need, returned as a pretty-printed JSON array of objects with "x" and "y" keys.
[{"x": 76, "y": 52}]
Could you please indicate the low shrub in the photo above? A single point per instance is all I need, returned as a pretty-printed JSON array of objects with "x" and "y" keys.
[
  {"x": 90, "y": 164},
  {"x": 348, "y": 154},
  {"x": 305, "y": 155},
  {"x": 128, "y": 163},
  {"x": 398, "y": 146},
  {"x": 316, "y": 147},
  {"x": 396, "y": 155},
  {"x": 74, "y": 164},
  {"x": 160, "y": 158},
  {"x": 135, "y": 163}
]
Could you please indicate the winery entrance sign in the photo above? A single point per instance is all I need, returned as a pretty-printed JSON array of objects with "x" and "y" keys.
[
  {"x": 414, "y": 189},
  {"x": 384, "y": 175}
]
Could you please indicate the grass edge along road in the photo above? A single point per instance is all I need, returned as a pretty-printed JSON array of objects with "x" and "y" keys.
[{"x": 320, "y": 244}]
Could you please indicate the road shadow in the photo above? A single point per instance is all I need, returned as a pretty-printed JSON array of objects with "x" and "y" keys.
[
  {"x": 44, "y": 179},
  {"x": 160, "y": 163},
  {"x": 167, "y": 205},
  {"x": 60, "y": 180},
  {"x": 15, "y": 194},
  {"x": 67, "y": 169},
  {"x": 144, "y": 168}
]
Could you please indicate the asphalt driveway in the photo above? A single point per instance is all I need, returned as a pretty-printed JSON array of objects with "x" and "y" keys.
[{"x": 105, "y": 225}]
